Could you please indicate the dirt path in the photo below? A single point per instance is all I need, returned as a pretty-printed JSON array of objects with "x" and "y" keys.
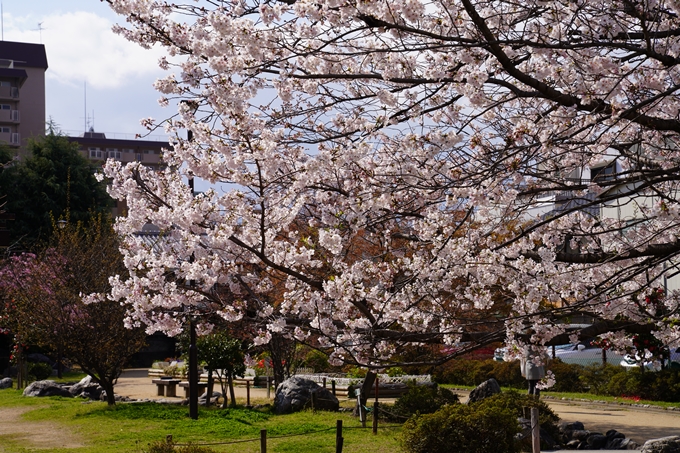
[
  {"x": 40, "y": 435},
  {"x": 638, "y": 424}
]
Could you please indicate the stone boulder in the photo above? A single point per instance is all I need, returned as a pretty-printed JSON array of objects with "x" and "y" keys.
[
  {"x": 669, "y": 444},
  {"x": 87, "y": 388},
  {"x": 484, "y": 390},
  {"x": 574, "y": 436},
  {"x": 46, "y": 388},
  {"x": 295, "y": 394},
  {"x": 5, "y": 383}
]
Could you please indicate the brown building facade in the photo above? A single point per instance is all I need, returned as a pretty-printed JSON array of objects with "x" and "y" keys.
[{"x": 22, "y": 93}]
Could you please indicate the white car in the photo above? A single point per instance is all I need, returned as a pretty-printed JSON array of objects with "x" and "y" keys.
[
  {"x": 629, "y": 361},
  {"x": 579, "y": 354}
]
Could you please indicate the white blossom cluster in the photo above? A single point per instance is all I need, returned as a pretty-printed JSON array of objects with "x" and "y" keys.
[{"x": 409, "y": 171}]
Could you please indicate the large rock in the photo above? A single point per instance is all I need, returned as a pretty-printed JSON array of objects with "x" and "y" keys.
[
  {"x": 87, "y": 388},
  {"x": 46, "y": 388},
  {"x": 5, "y": 383},
  {"x": 295, "y": 394},
  {"x": 484, "y": 390},
  {"x": 669, "y": 444}
]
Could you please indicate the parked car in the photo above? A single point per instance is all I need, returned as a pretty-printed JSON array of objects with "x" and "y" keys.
[
  {"x": 629, "y": 361},
  {"x": 583, "y": 353}
]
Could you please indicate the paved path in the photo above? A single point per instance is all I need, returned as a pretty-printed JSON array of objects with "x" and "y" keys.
[{"x": 640, "y": 424}]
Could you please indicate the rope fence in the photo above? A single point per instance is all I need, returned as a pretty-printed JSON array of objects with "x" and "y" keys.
[{"x": 339, "y": 439}]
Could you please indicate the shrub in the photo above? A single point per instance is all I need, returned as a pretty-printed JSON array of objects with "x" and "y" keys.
[
  {"x": 39, "y": 371},
  {"x": 597, "y": 377},
  {"x": 458, "y": 427},
  {"x": 567, "y": 377},
  {"x": 421, "y": 399},
  {"x": 517, "y": 403}
]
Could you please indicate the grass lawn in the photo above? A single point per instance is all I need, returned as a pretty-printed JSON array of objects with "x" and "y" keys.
[{"x": 131, "y": 427}]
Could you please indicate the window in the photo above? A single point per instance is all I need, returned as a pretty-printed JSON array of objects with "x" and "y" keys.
[
  {"x": 5, "y": 130},
  {"x": 4, "y": 83},
  {"x": 149, "y": 151},
  {"x": 604, "y": 172},
  {"x": 113, "y": 154},
  {"x": 95, "y": 153},
  {"x": 5, "y": 107}
]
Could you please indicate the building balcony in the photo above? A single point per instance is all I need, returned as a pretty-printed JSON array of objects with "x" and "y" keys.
[
  {"x": 10, "y": 116},
  {"x": 10, "y": 138},
  {"x": 11, "y": 93}
]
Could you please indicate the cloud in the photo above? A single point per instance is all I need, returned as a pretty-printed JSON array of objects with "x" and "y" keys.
[{"x": 81, "y": 47}]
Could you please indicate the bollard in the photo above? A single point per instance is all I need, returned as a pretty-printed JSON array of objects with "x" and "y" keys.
[
  {"x": 263, "y": 441},
  {"x": 338, "y": 437},
  {"x": 375, "y": 417},
  {"x": 247, "y": 393}
]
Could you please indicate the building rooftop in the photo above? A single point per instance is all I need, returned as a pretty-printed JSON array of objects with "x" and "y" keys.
[{"x": 24, "y": 54}]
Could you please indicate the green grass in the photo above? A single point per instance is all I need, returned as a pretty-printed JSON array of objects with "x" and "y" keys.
[{"x": 131, "y": 427}]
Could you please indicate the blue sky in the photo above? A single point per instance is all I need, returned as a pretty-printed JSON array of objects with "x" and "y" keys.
[{"x": 83, "y": 51}]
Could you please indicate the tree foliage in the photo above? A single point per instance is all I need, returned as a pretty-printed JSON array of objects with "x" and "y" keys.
[
  {"x": 57, "y": 300},
  {"x": 412, "y": 171},
  {"x": 225, "y": 356},
  {"x": 54, "y": 179}
]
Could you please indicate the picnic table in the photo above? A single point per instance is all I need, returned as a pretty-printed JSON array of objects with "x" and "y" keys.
[{"x": 166, "y": 387}]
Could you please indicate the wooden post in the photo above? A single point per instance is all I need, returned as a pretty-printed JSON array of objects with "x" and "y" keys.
[
  {"x": 375, "y": 417},
  {"x": 324, "y": 382},
  {"x": 604, "y": 356},
  {"x": 247, "y": 393},
  {"x": 314, "y": 401},
  {"x": 333, "y": 387},
  {"x": 263, "y": 441},
  {"x": 338, "y": 436},
  {"x": 535, "y": 431},
  {"x": 269, "y": 388},
  {"x": 362, "y": 410},
  {"x": 376, "y": 389}
]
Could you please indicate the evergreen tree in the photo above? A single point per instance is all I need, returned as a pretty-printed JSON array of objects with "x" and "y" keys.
[{"x": 55, "y": 179}]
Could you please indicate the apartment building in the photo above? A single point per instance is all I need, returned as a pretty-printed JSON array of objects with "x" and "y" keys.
[
  {"x": 22, "y": 93},
  {"x": 97, "y": 148}
]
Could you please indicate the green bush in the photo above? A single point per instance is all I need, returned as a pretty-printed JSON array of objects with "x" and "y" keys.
[
  {"x": 39, "y": 371},
  {"x": 169, "y": 447},
  {"x": 609, "y": 380},
  {"x": 597, "y": 377},
  {"x": 567, "y": 377},
  {"x": 421, "y": 399},
  {"x": 517, "y": 403},
  {"x": 458, "y": 427}
]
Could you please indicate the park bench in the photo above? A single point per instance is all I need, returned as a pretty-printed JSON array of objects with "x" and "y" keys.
[{"x": 166, "y": 387}]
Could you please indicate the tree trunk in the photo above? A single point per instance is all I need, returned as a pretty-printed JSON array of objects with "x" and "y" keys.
[
  {"x": 107, "y": 385},
  {"x": 232, "y": 395},
  {"x": 209, "y": 389}
]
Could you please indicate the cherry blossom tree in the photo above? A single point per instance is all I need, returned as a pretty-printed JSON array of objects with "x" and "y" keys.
[
  {"x": 411, "y": 171},
  {"x": 44, "y": 306}
]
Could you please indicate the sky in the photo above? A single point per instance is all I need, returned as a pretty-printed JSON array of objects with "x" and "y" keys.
[{"x": 91, "y": 69}]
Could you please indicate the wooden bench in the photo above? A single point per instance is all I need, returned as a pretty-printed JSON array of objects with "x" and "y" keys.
[
  {"x": 202, "y": 387},
  {"x": 166, "y": 387}
]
